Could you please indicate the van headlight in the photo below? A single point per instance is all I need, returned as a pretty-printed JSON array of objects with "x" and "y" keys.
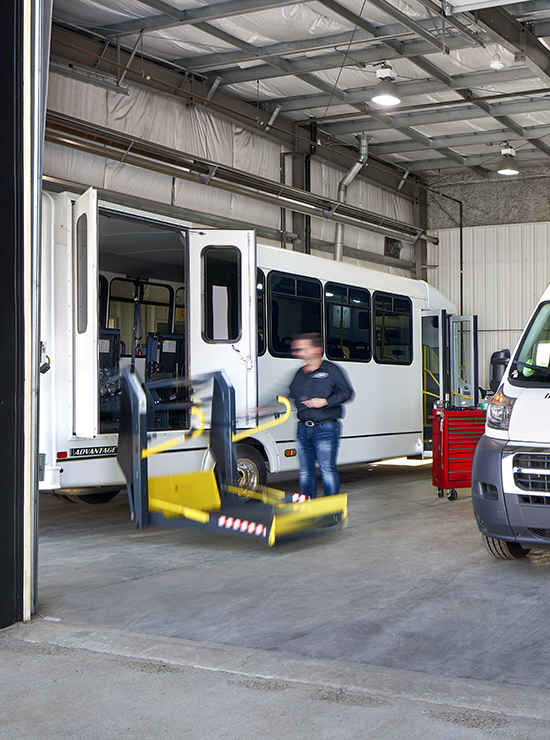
[{"x": 499, "y": 411}]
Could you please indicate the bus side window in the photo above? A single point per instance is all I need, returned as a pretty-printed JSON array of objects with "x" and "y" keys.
[
  {"x": 347, "y": 323},
  {"x": 392, "y": 329},
  {"x": 295, "y": 308},
  {"x": 222, "y": 294}
]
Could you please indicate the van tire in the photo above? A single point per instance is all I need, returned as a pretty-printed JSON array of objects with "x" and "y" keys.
[
  {"x": 251, "y": 469},
  {"x": 505, "y": 550}
]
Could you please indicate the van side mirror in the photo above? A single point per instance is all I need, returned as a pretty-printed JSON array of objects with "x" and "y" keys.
[{"x": 499, "y": 361}]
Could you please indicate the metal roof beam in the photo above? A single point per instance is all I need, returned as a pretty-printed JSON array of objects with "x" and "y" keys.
[
  {"x": 453, "y": 21},
  {"x": 177, "y": 17},
  {"x": 531, "y": 155},
  {"x": 80, "y": 49},
  {"x": 275, "y": 61},
  {"x": 407, "y": 88},
  {"x": 529, "y": 8},
  {"x": 350, "y": 16},
  {"x": 461, "y": 140},
  {"x": 383, "y": 34},
  {"x": 370, "y": 55},
  {"x": 444, "y": 151},
  {"x": 468, "y": 95},
  {"x": 444, "y": 115},
  {"x": 393, "y": 12},
  {"x": 248, "y": 50},
  {"x": 516, "y": 37},
  {"x": 205, "y": 62}
]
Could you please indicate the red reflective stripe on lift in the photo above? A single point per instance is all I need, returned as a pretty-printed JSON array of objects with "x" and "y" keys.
[{"x": 242, "y": 525}]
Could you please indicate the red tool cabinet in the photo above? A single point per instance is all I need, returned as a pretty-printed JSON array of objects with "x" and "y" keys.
[{"x": 456, "y": 433}]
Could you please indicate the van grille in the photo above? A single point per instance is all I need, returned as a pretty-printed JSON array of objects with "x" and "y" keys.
[
  {"x": 544, "y": 533},
  {"x": 532, "y": 472},
  {"x": 536, "y": 500}
]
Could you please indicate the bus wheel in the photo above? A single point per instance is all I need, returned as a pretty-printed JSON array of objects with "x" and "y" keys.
[
  {"x": 505, "y": 550},
  {"x": 101, "y": 497},
  {"x": 251, "y": 469}
]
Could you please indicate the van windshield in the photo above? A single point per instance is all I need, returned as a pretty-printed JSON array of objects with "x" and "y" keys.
[{"x": 531, "y": 363}]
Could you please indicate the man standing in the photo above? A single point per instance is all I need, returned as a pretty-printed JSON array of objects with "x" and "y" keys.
[{"x": 319, "y": 389}]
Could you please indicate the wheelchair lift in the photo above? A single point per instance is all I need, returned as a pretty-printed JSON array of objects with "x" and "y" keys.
[{"x": 211, "y": 500}]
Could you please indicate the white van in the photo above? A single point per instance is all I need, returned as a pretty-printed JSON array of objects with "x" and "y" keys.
[{"x": 511, "y": 469}]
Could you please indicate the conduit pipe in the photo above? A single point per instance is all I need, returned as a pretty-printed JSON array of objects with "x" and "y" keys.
[{"x": 343, "y": 192}]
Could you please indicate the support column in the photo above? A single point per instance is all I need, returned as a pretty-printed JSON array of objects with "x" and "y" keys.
[
  {"x": 21, "y": 32},
  {"x": 11, "y": 313},
  {"x": 421, "y": 220},
  {"x": 300, "y": 221}
]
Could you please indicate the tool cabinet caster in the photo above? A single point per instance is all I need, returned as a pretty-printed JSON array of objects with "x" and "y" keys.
[
  {"x": 440, "y": 493},
  {"x": 452, "y": 495}
]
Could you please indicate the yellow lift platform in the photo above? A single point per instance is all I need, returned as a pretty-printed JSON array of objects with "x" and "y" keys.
[{"x": 211, "y": 500}]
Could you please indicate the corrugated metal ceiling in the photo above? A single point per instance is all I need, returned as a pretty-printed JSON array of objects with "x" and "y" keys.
[{"x": 315, "y": 64}]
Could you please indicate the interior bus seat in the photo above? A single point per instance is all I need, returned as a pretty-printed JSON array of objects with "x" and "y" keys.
[
  {"x": 360, "y": 351},
  {"x": 334, "y": 352}
]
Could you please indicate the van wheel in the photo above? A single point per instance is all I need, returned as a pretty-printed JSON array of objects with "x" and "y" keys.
[
  {"x": 505, "y": 550},
  {"x": 251, "y": 469}
]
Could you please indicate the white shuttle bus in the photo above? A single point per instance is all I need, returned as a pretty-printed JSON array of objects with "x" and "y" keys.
[
  {"x": 511, "y": 470},
  {"x": 122, "y": 286}
]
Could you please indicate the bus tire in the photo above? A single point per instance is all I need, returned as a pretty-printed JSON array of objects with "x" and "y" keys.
[
  {"x": 251, "y": 469},
  {"x": 101, "y": 497},
  {"x": 505, "y": 550}
]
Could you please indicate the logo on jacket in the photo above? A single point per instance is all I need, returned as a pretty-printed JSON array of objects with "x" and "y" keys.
[{"x": 320, "y": 375}]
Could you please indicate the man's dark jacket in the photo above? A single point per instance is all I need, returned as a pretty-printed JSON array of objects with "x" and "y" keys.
[{"x": 329, "y": 382}]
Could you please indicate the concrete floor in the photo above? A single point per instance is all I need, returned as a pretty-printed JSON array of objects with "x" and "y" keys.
[{"x": 401, "y": 626}]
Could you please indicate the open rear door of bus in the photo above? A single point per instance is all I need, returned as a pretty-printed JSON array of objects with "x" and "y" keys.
[
  {"x": 85, "y": 315},
  {"x": 449, "y": 364},
  {"x": 434, "y": 367},
  {"x": 463, "y": 361},
  {"x": 222, "y": 312}
]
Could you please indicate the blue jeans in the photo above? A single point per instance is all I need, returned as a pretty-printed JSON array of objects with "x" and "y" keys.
[{"x": 319, "y": 442}]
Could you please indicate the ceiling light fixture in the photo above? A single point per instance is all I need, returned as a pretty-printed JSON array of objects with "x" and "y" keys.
[
  {"x": 496, "y": 62},
  {"x": 385, "y": 92},
  {"x": 507, "y": 164}
]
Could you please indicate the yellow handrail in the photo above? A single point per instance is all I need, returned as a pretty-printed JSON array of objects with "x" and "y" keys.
[
  {"x": 268, "y": 424},
  {"x": 198, "y": 413},
  {"x": 468, "y": 398}
]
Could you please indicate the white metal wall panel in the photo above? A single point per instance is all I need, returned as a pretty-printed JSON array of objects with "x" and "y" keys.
[{"x": 506, "y": 269}]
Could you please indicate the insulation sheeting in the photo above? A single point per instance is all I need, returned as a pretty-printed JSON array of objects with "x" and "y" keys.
[
  {"x": 168, "y": 121},
  {"x": 506, "y": 269}
]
